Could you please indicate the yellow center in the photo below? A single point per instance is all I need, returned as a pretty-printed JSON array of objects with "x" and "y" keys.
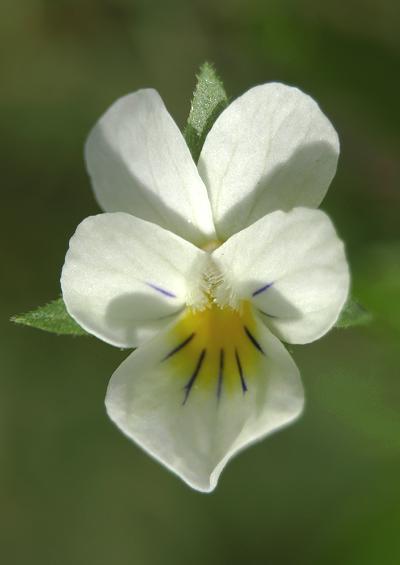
[{"x": 215, "y": 348}]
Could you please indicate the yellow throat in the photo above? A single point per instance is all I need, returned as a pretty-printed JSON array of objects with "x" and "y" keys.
[{"x": 215, "y": 348}]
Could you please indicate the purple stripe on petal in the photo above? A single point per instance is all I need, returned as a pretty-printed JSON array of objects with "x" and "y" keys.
[
  {"x": 188, "y": 386},
  {"x": 161, "y": 290},
  {"x": 262, "y": 289},
  {"x": 253, "y": 340},
  {"x": 269, "y": 315},
  {"x": 240, "y": 369},
  {"x": 179, "y": 347}
]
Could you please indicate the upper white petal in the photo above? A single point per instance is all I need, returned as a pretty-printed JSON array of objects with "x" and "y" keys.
[
  {"x": 197, "y": 438},
  {"x": 124, "y": 278},
  {"x": 271, "y": 149},
  {"x": 292, "y": 266},
  {"x": 139, "y": 163}
]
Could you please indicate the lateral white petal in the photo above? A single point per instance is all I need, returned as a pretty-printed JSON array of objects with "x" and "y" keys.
[
  {"x": 271, "y": 149},
  {"x": 124, "y": 278},
  {"x": 139, "y": 163},
  {"x": 293, "y": 268},
  {"x": 195, "y": 439}
]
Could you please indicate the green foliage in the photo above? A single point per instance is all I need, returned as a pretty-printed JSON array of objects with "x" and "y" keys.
[
  {"x": 209, "y": 99},
  {"x": 52, "y": 317},
  {"x": 353, "y": 314}
]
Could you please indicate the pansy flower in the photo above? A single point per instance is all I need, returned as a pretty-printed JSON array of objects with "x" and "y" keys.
[{"x": 205, "y": 270}]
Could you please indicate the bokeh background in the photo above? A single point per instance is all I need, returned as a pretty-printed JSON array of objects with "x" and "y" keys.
[{"x": 73, "y": 489}]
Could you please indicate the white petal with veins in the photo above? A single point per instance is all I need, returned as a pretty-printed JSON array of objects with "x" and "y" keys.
[
  {"x": 293, "y": 267},
  {"x": 196, "y": 434},
  {"x": 271, "y": 149},
  {"x": 140, "y": 163},
  {"x": 124, "y": 278}
]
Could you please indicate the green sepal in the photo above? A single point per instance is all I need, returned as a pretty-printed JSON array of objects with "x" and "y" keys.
[
  {"x": 52, "y": 317},
  {"x": 209, "y": 99},
  {"x": 353, "y": 314}
]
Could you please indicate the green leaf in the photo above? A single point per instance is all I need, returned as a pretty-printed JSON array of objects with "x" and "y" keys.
[
  {"x": 52, "y": 317},
  {"x": 353, "y": 314},
  {"x": 209, "y": 99}
]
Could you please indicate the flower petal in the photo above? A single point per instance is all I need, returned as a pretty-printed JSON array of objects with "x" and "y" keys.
[
  {"x": 293, "y": 268},
  {"x": 124, "y": 278},
  {"x": 271, "y": 149},
  {"x": 139, "y": 163},
  {"x": 195, "y": 435}
]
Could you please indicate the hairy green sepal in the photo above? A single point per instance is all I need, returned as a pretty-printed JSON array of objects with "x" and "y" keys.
[
  {"x": 52, "y": 317},
  {"x": 353, "y": 314},
  {"x": 209, "y": 99}
]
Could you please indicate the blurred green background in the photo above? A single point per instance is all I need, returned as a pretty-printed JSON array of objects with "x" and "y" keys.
[{"x": 73, "y": 489}]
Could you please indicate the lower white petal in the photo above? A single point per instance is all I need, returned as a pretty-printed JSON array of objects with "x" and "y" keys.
[{"x": 210, "y": 385}]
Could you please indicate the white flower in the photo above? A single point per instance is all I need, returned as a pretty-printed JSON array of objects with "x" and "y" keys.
[{"x": 204, "y": 270}]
